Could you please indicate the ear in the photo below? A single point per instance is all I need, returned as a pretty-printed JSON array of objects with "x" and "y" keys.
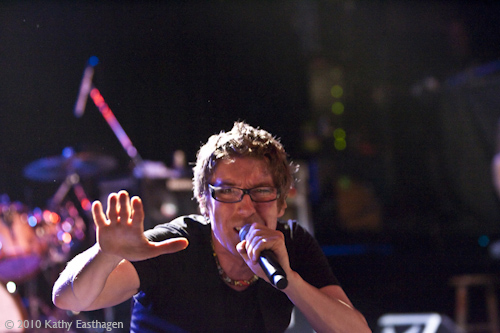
[{"x": 282, "y": 208}]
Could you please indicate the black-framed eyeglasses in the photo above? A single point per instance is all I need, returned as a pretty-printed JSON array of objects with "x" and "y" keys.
[{"x": 230, "y": 194}]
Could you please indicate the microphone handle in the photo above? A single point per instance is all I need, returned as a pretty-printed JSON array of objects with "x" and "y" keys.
[{"x": 273, "y": 269}]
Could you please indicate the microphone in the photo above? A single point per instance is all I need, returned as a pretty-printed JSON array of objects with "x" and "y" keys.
[
  {"x": 85, "y": 87},
  {"x": 269, "y": 263}
]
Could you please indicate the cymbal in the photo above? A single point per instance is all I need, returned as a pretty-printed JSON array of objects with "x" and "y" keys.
[{"x": 84, "y": 164}]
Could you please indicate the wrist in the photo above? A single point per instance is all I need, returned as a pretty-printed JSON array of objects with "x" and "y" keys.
[
  {"x": 107, "y": 257},
  {"x": 294, "y": 281}
]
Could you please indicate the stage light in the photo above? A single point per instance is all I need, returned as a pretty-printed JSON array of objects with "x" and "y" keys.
[
  {"x": 483, "y": 241},
  {"x": 340, "y": 144},
  {"x": 337, "y": 91},
  {"x": 54, "y": 218},
  {"x": 11, "y": 287},
  {"x": 338, "y": 108},
  {"x": 67, "y": 226},
  {"x": 93, "y": 61},
  {"x": 32, "y": 221},
  {"x": 66, "y": 238},
  {"x": 168, "y": 209},
  {"x": 339, "y": 133},
  {"x": 68, "y": 152}
]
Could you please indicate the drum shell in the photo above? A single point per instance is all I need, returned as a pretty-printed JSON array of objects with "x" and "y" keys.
[
  {"x": 21, "y": 251},
  {"x": 11, "y": 310}
]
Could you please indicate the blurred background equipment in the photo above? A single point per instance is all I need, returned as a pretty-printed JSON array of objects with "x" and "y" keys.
[
  {"x": 11, "y": 308},
  {"x": 21, "y": 250},
  {"x": 58, "y": 168},
  {"x": 416, "y": 323}
]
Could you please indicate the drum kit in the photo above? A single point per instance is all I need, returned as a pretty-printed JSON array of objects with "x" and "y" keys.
[{"x": 35, "y": 240}]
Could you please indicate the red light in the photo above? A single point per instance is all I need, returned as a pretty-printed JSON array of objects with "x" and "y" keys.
[
  {"x": 55, "y": 218},
  {"x": 96, "y": 97},
  {"x": 51, "y": 217},
  {"x": 86, "y": 205}
]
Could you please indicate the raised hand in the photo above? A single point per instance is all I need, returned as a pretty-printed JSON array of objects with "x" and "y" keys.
[{"x": 120, "y": 231}]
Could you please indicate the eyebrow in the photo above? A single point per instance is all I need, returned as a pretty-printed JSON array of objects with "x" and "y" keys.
[
  {"x": 232, "y": 184},
  {"x": 222, "y": 183}
]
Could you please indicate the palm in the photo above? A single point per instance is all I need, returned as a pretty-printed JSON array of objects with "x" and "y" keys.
[{"x": 121, "y": 232}]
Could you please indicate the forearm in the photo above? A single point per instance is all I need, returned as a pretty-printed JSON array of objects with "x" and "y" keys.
[
  {"x": 83, "y": 279},
  {"x": 325, "y": 313}
]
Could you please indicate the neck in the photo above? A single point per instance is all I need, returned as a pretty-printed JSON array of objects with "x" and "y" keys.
[{"x": 233, "y": 265}]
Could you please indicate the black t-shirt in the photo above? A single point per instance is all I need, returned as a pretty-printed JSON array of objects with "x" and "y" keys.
[{"x": 183, "y": 292}]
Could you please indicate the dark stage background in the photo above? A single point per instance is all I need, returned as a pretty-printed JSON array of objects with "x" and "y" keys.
[{"x": 404, "y": 205}]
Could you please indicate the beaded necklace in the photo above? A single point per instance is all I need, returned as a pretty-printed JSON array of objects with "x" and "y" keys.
[{"x": 227, "y": 279}]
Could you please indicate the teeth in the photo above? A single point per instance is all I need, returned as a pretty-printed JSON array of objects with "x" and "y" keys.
[{"x": 237, "y": 229}]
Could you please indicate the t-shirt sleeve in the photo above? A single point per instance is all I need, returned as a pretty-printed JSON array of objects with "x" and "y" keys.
[{"x": 307, "y": 258}]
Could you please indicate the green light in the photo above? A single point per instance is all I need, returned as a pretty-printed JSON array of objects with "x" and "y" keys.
[
  {"x": 337, "y": 91},
  {"x": 340, "y": 144},
  {"x": 344, "y": 182},
  {"x": 339, "y": 134},
  {"x": 338, "y": 108}
]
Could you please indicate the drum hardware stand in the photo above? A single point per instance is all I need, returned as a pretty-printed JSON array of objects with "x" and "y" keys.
[
  {"x": 87, "y": 88},
  {"x": 71, "y": 181},
  {"x": 34, "y": 301}
]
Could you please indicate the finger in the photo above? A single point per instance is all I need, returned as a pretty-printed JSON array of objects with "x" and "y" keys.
[
  {"x": 256, "y": 249},
  {"x": 124, "y": 206},
  {"x": 260, "y": 242},
  {"x": 241, "y": 248},
  {"x": 170, "y": 245},
  {"x": 137, "y": 215},
  {"x": 98, "y": 214},
  {"x": 255, "y": 244},
  {"x": 112, "y": 210},
  {"x": 250, "y": 244}
]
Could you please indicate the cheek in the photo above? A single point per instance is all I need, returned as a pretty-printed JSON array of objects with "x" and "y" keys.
[
  {"x": 217, "y": 214},
  {"x": 209, "y": 206},
  {"x": 271, "y": 214}
]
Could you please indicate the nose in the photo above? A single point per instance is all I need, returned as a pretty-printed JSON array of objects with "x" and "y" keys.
[{"x": 246, "y": 205}]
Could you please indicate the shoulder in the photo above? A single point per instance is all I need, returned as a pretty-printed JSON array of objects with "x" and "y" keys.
[
  {"x": 306, "y": 256},
  {"x": 184, "y": 226},
  {"x": 297, "y": 238},
  {"x": 293, "y": 231}
]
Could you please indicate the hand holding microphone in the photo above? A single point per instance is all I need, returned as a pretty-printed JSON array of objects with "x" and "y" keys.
[{"x": 269, "y": 263}]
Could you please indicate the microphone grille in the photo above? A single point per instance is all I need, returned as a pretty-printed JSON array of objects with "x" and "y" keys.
[{"x": 244, "y": 231}]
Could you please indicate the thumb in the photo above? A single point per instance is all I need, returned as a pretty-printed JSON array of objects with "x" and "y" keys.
[
  {"x": 241, "y": 248},
  {"x": 171, "y": 245}
]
